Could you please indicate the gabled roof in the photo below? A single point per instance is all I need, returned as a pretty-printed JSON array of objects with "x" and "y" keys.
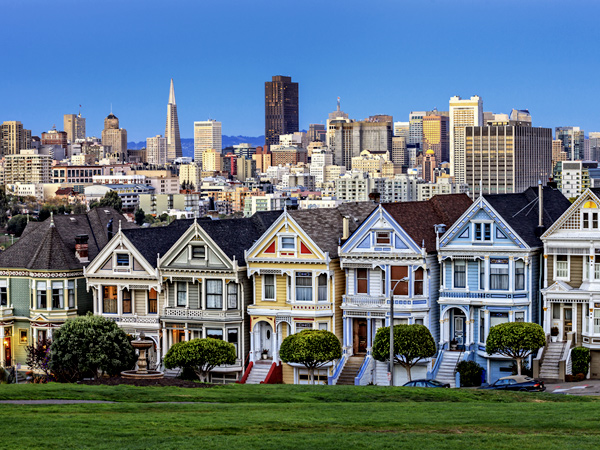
[
  {"x": 50, "y": 245},
  {"x": 325, "y": 225},
  {"x": 417, "y": 219},
  {"x": 521, "y": 211}
]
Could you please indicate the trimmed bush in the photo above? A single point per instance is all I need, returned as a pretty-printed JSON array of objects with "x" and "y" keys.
[
  {"x": 517, "y": 340},
  {"x": 200, "y": 355},
  {"x": 470, "y": 373},
  {"x": 580, "y": 357}
]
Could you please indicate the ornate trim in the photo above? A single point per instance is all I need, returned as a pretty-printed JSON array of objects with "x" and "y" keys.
[{"x": 26, "y": 273}]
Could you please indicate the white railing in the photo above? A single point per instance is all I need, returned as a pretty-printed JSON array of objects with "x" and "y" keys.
[
  {"x": 365, "y": 300},
  {"x": 187, "y": 313},
  {"x": 133, "y": 319},
  {"x": 569, "y": 363}
]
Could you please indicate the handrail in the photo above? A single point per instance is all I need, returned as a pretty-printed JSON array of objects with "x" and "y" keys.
[
  {"x": 462, "y": 350},
  {"x": 438, "y": 362},
  {"x": 569, "y": 363},
  {"x": 246, "y": 374},
  {"x": 362, "y": 370},
  {"x": 337, "y": 371}
]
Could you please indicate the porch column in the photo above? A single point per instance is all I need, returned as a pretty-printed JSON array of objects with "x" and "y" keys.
[
  {"x": 2, "y": 348},
  {"x": 546, "y": 318},
  {"x": 165, "y": 344},
  {"x": 186, "y": 332},
  {"x": 467, "y": 330},
  {"x": 119, "y": 302},
  {"x": 369, "y": 328},
  {"x": 251, "y": 356}
]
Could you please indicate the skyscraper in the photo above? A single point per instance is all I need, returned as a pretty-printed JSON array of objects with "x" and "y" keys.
[
  {"x": 281, "y": 108},
  {"x": 415, "y": 127},
  {"x": 115, "y": 137},
  {"x": 573, "y": 141},
  {"x": 435, "y": 136},
  {"x": 463, "y": 113},
  {"x": 156, "y": 150},
  {"x": 13, "y": 138},
  {"x": 350, "y": 138},
  {"x": 74, "y": 125},
  {"x": 172, "y": 128},
  {"x": 207, "y": 135}
]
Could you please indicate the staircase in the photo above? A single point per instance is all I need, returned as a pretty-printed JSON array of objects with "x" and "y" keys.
[
  {"x": 552, "y": 355},
  {"x": 446, "y": 373},
  {"x": 350, "y": 370},
  {"x": 259, "y": 371}
]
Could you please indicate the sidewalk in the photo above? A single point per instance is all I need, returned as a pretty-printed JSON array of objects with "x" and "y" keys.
[{"x": 586, "y": 387}]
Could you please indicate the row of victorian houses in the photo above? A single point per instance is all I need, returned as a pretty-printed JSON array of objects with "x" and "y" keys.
[{"x": 455, "y": 265}]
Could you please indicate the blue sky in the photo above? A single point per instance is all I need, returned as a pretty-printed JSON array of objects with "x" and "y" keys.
[{"x": 380, "y": 57}]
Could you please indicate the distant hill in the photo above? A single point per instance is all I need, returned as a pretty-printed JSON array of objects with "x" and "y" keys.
[{"x": 187, "y": 145}]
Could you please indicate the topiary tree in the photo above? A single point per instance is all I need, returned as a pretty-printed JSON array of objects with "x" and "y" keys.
[
  {"x": 87, "y": 345},
  {"x": 412, "y": 343},
  {"x": 311, "y": 348},
  {"x": 517, "y": 340},
  {"x": 201, "y": 355},
  {"x": 580, "y": 357}
]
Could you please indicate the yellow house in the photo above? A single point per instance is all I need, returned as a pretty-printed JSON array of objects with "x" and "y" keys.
[{"x": 298, "y": 285}]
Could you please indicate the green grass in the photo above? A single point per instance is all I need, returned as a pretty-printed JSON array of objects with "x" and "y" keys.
[{"x": 270, "y": 416}]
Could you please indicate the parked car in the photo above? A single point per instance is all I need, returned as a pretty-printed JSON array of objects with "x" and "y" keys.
[
  {"x": 426, "y": 384},
  {"x": 517, "y": 383}
]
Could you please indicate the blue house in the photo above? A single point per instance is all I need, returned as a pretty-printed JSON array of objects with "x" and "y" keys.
[
  {"x": 491, "y": 260},
  {"x": 391, "y": 257}
]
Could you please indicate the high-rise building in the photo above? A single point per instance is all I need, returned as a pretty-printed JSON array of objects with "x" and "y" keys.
[
  {"x": 507, "y": 158},
  {"x": 415, "y": 127},
  {"x": 55, "y": 137},
  {"x": 402, "y": 129},
  {"x": 27, "y": 167},
  {"x": 74, "y": 126},
  {"x": 156, "y": 150},
  {"x": 398, "y": 155},
  {"x": 212, "y": 160},
  {"x": 338, "y": 116},
  {"x": 14, "y": 138},
  {"x": 172, "y": 128},
  {"x": 558, "y": 152},
  {"x": 316, "y": 132},
  {"x": 429, "y": 165},
  {"x": 573, "y": 139},
  {"x": 281, "y": 108},
  {"x": 436, "y": 136},
  {"x": 115, "y": 137},
  {"x": 351, "y": 138},
  {"x": 594, "y": 144},
  {"x": 463, "y": 113},
  {"x": 207, "y": 134}
]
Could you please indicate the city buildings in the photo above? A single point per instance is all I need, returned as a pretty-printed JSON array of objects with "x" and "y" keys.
[
  {"x": 172, "y": 128},
  {"x": 349, "y": 139},
  {"x": 415, "y": 127},
  {"x": 463, "y": 113},
  {"x": 27, "y": 167},
  {"x": 436, "y": 136},
  {"x": 573, "y": 141},
  {"x": 14, "y": 138},
  {"x": 207, "y": 134},
  {"x": 157, "y": 150},
  {"x": 115, "y": 137},
  {"x": 212, "y": 160},
  {"x": 281, "y": 108},
  {"x": 573, "y": 177},
  {"x": 74, "y": 126}
]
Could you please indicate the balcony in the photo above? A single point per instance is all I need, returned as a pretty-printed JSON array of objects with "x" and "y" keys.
[
  {"x": 199, "y": 314},
  {"x": 379, "y": 301},
  {"x": 133, "y": 319},
  {"x": 466, "y": 295}
]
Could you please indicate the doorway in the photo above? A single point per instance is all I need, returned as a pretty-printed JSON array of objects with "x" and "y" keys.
[
  {"x": 359, "y": 342},
  {"x": 567, "y": 321},
  {"x": 263, "y": 334}
]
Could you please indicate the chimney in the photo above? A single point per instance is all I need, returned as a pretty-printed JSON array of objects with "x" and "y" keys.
[
  {"x": 345, "y": 227},
  {"x": 81, "y": 248},
  {"x": 374, "y": 196}
]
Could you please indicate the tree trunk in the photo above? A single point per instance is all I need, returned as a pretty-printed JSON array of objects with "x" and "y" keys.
[
  {"x": 518, "y": 365},
  {"x": 408, "y": 372},
  {"x": 312, "y": 375}
]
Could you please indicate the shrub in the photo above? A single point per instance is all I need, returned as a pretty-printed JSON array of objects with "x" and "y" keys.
[
  {"x": 580, "y": 357},
  {"x": 87, "y": 345},
  {"x": 470, "y": 373},
  {"x": 201, "y": 355}
]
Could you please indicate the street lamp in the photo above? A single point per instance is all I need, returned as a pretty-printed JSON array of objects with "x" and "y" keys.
[{"x": 392, "y": 329}]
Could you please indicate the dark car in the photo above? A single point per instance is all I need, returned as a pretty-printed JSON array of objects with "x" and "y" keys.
[
  {"x": 517, "y": 383},
  {"x": 426, "y": 384}
]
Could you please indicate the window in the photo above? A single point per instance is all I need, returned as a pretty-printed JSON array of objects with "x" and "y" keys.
[
  {"x": 109, "y": 300},
  {"x": 122, "y": 260},
  {"x": 301, "y": 326},
  {"x": 198, "y": 252},
  {"x": 304, "y": 287},
  {"x": 362, "y": 281},
  {"x": 71, "y": 293},
  {"x": 57, "y": 294},
  {"x": 483, "y": 231},
  {"x": 460, "y": 273},
  {"x": 323, "y": 326},
  {"x": 269, "y": 281},
  {"x": 215, "y": 333},
  {"x": 232, "y": 338},
  {"x": 399, "y": 273},
  {"x": 419, "y": 321},
  {"x": 42, "y": 301},
  {"x": 562, "y": 267},
  {"x": 418, "y": 281},
  {"x": 556, "y": 311},
  {"x": 126, "y": 301},
  {"x": 288, "y": 243},
  {"x": 152, "y": 301},
  {"x": 519, "y": 275},
  {"x": 499, "y": 274},
  {"x": 232, "y": 295},
  {"x": 497, "y": 318},
  {"x": 214, "y": 294},
  {"x": 482, "y": 275},
  {"x": 322, "y": 290},
  {"x": 3, "y": 293},
  {"x": 181, "y": 294},
  {"x": 590, "y": 220},
  {"x": 482, "y": 326},
  {"x": 596, "y": 321},
  {"x": 519, "y": 316},
  {"x": 383, "y": 238}
]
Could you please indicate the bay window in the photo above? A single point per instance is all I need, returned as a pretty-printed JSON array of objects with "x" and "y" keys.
[
  {"x": 482, "y": 326},
  {"x": 109, "y": 299},
  {"x": 71, "y": 293},
  {"x": 42, "y": 301},
  {"x": 322, "y": 287},
  {"x": 304, "y": 287},
  {"x": 232, "y": 338},
  {"x": 181, "y": 294},
  {"x": 398, "y": 273},
  {"x": 499, "y": 274},
  {"x": 215, "y": 333},
  {"x": 460, "y": 273},
  {"x": 3, "y": 293},
  {"x": 418, "y": 281},
  {"x": 519, "y": 275},
  {"x": 152, "y": 301},
  {"x": 214, "y": 294},
  {"x": 362, "y": 281},
  {"x": 232, "y": 295},
  {"x": 126, "y": 301},
  {"x": 482, "y": 275}
]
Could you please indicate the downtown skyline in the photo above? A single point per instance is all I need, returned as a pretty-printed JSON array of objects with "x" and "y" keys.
[{"x": 518, "y": 60}]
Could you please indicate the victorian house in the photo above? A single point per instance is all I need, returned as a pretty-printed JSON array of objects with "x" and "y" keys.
[
  {"x": 298, "y": 285},
  {"x": 491, "y": 273},
  {"x": 392, "y": 257},
  {"x": 571, "y": 283},
  {"x": 41, "y": 277}
]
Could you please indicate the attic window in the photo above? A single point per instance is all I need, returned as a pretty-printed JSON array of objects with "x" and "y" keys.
[
  {"x": 122, "y": 260},
  {"x": 383, "y": 238},
  {"x": 198, "y": 252}
]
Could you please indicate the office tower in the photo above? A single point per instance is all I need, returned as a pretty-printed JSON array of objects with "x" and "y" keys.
[
  {"x": 281, "y": 108},
  {"x": 429, "y": 164},
  {"x": 558, "y": 152},
  {"x": 398, "y": 155},
  {"x": 351, "y": 138},
  {"x": 594, "y": 143},
  {"x": 436, "y": 136},
  {"x": 207, "y": 134},
  {"x": 338, "y": 116},
  {"x": 212, "y": 160},
  {"x": 157, "y": 150},
  {"x": 507, "y": 158},
  {"x": 520, "y": 115},
  {"x": 74, "y": 126},
  {"x": 172, "y": 128},
  {"x": 463, "y": 113},
  {"x": 415, "y": 127},
  {"x": 402, "y": 129},
  {"x": 244, "y": 150},
  {"x": 115, "y": 137},
  {"x": 55, "y": 137},
  {"x": 573, "y": 139},
  {"x": 14, "y": 138},
  {"x": 316, "y": 132}
]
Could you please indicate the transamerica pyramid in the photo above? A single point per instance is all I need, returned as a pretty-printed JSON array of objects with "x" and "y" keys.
[{"x": 172, "y": 128}]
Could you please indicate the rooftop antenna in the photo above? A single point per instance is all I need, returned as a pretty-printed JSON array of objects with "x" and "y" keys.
[
  {"x": 338, "y": 104},
  {"x": 111, "y": 107}
]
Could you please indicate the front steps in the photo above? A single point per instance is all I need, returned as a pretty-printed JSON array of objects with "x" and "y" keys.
[
  {"x": 549, "y": 366},
  {"x": 351, "y": 369},
  {"x": 446, "y": 372}
]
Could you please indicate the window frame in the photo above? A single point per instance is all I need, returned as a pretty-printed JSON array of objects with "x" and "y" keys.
[
  {"x": 482, "y": 231},
  {"x": 362, "y": 281},
  {"x": 215, "y": 295},
  {"x": 57, "y": 289},
  {"x": 556, "y": 269},
  {"x": 119, "y": 264},
  {"x": 151, "y": 301},
  {"x": 41, "y": 294},
  {"x": 322, "y": 288},
  {"x": 502, "y": 279},
  {"x": 264, "y": 287},
  {"x": 4, "y": 293},
  {"x": 455, "y": 263},
  {"x": 194, "y": 248},
  {"x": 112, "y": 303},
  {"x": 71, "y": 293},
  {"x": 282, "y": 245},
  {"x": 519, "y": 277},
  {"x": 384, "y": 235},
  {"x": 178, "y": 291},
  {"x": 304, "y": 289},
  {"x": 402, "y": 288},
  {"x": 230, "y": 295},
  {"x": 129, "y": 300}
]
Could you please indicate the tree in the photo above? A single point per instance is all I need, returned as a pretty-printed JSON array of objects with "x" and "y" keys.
[
  {"x": 16, "y": 225},
  {"x": 517, "y": 340},
  {"x": 111, "y": 199},
  {"x": 140, "y": 216},
  {"x": 87, "y": 345},
  {"x": 311, "y": 348},
  {"x": 412, "y": 343},
  {"x": 38, "y": 356},
  {"x": 200, "y": 355}
]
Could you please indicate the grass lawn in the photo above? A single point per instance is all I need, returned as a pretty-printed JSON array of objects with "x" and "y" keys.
[{"x": 339, "y": 417}]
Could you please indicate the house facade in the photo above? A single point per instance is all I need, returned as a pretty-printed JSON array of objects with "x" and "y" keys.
[{"x": 491, "y": 265}]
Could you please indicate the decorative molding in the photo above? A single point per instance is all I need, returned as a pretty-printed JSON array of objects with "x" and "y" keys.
[{"x": 26, "y": 273}]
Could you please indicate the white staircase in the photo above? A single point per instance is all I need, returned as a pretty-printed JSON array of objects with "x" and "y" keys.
[
  {"x": 552, "y": 355},
  {"x": 259, "y": 372},
  {"x": 446, "y": 373}
]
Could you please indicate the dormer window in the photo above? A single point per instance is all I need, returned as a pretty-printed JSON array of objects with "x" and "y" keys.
[
  {"x": 198, "y": 252},
  {"x": 383, "y": 238},
  {"x": 122, "y": 260},
  {"x": 288, "y": 243},
  {"x": 483, "y": 232}
]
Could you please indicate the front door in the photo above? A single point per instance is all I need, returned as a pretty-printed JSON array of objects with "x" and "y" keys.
[
  {"x": 459, "y": 329},
  {"x": 567, "y": 322},
  {"x": 360, "y": 336},
  {"x": 266, "y": 336}
]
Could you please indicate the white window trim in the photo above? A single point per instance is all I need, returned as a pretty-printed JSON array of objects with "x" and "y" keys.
[
  {"x": 482, "y": 240},
  {"x": 554, "y": 263},
  {"x": 590, "y": 211},
  {"x": 187, "y": 295},
  {"x": 117, "y": 268},
  {"x": 264, "y": 298},
  {"x": 191, "y": 252},
  {"x": 466, "y": 275},
  {"x": 280, "y": 243},
  {"x": 389, "y": 233}
]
